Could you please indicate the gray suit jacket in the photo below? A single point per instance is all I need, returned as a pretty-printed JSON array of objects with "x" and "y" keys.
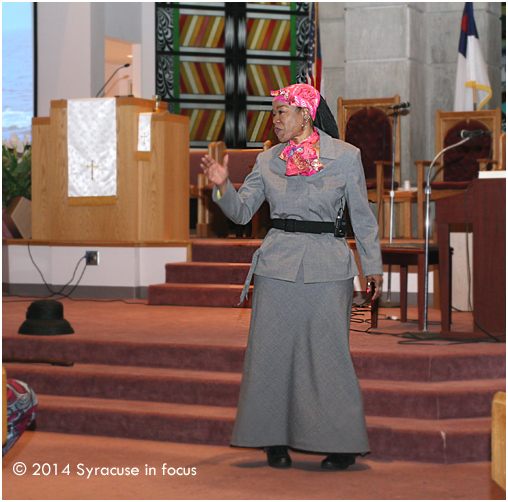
[{"x": 325, "y": 258}]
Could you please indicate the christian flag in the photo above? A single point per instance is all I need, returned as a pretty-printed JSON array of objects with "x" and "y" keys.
[
  {"x": 314, "y": 62},
  {"x": 472, "y": 87}
]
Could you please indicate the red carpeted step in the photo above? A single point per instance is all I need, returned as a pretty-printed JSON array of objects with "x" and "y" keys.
[
  {"x": 443, "y": 367},
  {"x": 430, "y": 400},
  {"x": 369, "y": 364},
  {"x": 198, "y": 295},
  {"x": 180, "y": 423},
  {"x": 224, "y": 250},
  {"x": 143, "y": 353},
  {"x": 438, "y": 441},
  {"x": 210, "y": 388},
  {"x": 423, "y": 400},
  {"x": 207, "y": 273}
]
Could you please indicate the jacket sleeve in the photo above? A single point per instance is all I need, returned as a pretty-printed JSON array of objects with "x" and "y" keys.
[
  {"x": 242, "y": 205},
  {"x": 363, "y": 220}
]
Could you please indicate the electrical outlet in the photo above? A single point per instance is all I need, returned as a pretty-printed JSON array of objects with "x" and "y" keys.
[{"x": 92, "y": 257}]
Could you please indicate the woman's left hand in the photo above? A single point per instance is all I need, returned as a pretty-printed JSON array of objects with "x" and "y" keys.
[{"x": 377, "y": 280}]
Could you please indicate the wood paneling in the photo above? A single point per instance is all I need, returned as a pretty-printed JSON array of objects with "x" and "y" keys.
[
  {"x": 152, "y": 190},
  {"x": 41, "y": 206}
]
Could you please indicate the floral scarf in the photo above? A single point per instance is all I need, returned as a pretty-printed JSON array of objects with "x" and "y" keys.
[{"x": 302, "y": 158}]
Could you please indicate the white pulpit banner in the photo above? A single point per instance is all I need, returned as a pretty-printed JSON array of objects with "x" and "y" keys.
[
  {"x": 144, "y": 132},
  {"x": 92, "y": 147}
]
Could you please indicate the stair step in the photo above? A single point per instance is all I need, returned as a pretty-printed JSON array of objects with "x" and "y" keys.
[
  {"x": 140, "y": 353},
  {"x": 207, "y": 273},
  {"x": 376, "y": 364},
  {"x": 180, "y": 423},
  {"x": 430, "y": 400},
  {"x": 198, "y": 295},
  {"x": 442, "y": 367},
  {"x": 423, "y": 400},
  {"x": 225, "y": 250},
  {"x": 438, "y": 441},
  {"x": 163, "y": 385}
]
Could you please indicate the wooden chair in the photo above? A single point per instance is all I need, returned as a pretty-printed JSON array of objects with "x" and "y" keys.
[
  {"x": 368, "y": 125},
  {"x": 496, "y": 166},
  {"x": 211, "y": 220},
  {"x": 195, "y": 178},
  {"x": 455, "y": 170}
]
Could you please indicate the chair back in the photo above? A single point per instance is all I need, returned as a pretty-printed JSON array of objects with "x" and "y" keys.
[
  {"x": 460, "y": 164},
  {"x": 240, "y": 163},
  {"x": 368, "y": 125},
  {"x": 195, "y": 157}
]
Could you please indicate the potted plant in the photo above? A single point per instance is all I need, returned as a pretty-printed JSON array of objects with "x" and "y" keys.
[
  {"x": 16, "y": 170},
  {"x": 16, "y": 188}
]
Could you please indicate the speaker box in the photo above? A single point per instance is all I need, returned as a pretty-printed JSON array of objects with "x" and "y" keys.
[{"x": 18, "y": 218}]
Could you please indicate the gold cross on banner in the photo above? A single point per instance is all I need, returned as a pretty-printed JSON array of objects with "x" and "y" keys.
[{"x": 92, "y": 166}]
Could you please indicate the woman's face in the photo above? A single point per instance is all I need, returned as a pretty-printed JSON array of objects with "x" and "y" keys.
[{"x": 287, "y": 122}]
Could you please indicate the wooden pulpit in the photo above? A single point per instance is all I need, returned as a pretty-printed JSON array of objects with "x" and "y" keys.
[
  {"x": 152, "y": 193},
  {"x": 483, "y": 206}
]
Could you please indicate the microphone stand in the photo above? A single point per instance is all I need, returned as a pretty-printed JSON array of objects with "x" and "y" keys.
[
  {"x": 388, "y": 303},
  {"x": 392, "y": 191},
  {"x": 126, "y": 65},
  {"x": 426, "y": 334}
]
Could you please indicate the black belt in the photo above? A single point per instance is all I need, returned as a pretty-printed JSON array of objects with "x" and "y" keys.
[{"x": 310, "y": 227}]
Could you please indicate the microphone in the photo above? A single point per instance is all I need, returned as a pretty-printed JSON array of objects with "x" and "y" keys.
[
  {"x": 126, "y": 65},
  {"x": 472, "y": 134},
  {"x": 399, "y": 107}
]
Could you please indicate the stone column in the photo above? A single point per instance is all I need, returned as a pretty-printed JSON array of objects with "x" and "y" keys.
[
  {"x": 385, "y": 56},
  {"x": 331, "y": 19}
]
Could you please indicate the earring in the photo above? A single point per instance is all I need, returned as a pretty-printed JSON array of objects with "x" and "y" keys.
[{"x": 305, "y": 123}]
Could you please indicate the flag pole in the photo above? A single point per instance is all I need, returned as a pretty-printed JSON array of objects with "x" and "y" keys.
[{"x": 474, "y": 98}]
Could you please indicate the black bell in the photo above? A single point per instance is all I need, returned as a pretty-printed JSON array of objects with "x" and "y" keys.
[{"x": 45, "y": 317}]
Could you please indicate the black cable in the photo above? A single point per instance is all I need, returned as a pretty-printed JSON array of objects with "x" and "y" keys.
[
  {"x": 39, "y": 270},
  {"x": 448, "y": 341},
  {"x": 59, "y": 293},
  {"x": 415, "y": 341},
  {"x": 31, "y": 299},
  {"x": 114, "y": 300},
  {"x": 77, "y": 283},
  {"x": 458, "y": 310},
  {"x": 55, "y": 293},
  {"x": 63, "y": 287}
]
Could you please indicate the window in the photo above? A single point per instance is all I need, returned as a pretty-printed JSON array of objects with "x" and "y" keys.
[
  {"x": 17, "y": 69},
  {"x": 217, "y": 62}
]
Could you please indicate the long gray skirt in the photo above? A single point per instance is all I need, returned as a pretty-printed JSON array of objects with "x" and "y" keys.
[{"x": 299, "y": 386}]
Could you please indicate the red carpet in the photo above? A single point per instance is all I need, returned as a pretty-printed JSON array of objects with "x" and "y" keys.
[
  {"x": 170, "y": 373},
  {"x": 224, "y": 473}
]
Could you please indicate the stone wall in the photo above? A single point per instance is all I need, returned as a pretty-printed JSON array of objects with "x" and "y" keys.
[{"x": 378, "y": 49}]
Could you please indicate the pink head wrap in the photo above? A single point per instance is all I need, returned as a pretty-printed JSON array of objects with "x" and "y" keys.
[{"x": 303, "y": 95}]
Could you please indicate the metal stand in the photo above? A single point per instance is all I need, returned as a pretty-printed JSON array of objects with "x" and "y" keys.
[
  {"x": 392, "y": 190},
  {"x": 388, "y": 303},
  {"x": 425, "y": 333}
]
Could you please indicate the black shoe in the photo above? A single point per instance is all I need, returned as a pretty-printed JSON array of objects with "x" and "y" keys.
[
  {"x": 278, "y": 456},
  {"x": 338, "y": 461}
]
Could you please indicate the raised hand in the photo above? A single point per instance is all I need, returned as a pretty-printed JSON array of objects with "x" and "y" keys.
[{"x": 215, "y": 172}]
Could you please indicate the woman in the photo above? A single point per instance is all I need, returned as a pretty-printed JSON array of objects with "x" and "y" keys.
[{"x": 299, "y": 387}]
